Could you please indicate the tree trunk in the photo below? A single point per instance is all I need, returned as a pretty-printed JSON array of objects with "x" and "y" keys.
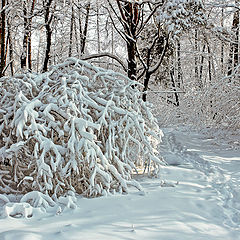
[
  {"x": 222, "y": 45},
  {"x": 236, "y": 38},
  {"x": 2, "y": 38},
  {"x": 71, "y": 34},
  {"x": 98, "y": 29},
  {"x": 146, "y": 81},
  {"x": 201, "y": 67},
  {"x": 10, "y": 48},
  {"x": 30, "y": 38},
  {"x": 132, "y": 64},
  {"x": 76, "y": 36},
  {"x": 27, "y": 49},
  {"x": 130, "y": 16},
  {"x": 230, "y": 59},
  {"x": 84, "y": 33},
  {"x": 25, "y": 36},
  {"x": 196, "y": 56},
  {"x": 209, "y": 63},
  {"x": 234, "y": 46},
  {"x": 48, "y": 20},
  {"x": 174, "y": 88},
  {"x": 179, "y": 68}
]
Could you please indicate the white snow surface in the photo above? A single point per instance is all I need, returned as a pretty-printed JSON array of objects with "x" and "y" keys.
[{"x": 195, "y": 197}]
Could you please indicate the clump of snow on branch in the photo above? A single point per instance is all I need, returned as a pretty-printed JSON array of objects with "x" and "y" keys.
[
  {"x": 18, "y": 210},
  {"x": 78, "y": 129},
  {"x": 180, "y": 15}
]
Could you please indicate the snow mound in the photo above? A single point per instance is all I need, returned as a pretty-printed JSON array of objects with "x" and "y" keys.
[
  {"x": 18, "y": 210},
  {"x": 76, "y": 128}
]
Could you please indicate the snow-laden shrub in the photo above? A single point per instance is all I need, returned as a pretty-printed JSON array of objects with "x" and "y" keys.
[{"x": 76, "y": 128}]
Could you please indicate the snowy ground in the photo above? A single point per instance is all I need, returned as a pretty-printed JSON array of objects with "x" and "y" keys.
[{"x": 196, "y": 197}]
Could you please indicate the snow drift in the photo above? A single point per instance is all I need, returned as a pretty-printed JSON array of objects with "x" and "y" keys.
[{"x": 75, "y": 129}]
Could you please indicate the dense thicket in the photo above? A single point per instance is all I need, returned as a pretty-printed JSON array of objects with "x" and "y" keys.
[{"x": 76, "y": 128}]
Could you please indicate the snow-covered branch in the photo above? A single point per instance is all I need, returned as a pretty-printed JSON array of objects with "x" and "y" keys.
[{"x": 99, "y": 55}]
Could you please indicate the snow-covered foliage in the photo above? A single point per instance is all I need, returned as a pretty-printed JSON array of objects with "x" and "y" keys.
[
  {"x": 216, "y": 105},
  {"x": 179, "y": 15},
  {"x": 76, "y": 128}
]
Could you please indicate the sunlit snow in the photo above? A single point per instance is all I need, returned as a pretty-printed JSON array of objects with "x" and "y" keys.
[{"x": 197, "y": 197}]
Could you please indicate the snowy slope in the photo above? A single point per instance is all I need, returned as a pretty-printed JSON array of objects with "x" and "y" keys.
[{"x": 195, "y": 197}]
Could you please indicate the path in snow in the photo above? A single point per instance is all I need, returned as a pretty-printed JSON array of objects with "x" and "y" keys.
[{"x": 221, "y": 167}]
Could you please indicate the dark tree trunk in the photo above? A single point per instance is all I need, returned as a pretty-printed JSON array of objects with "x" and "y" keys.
[
  {"x": 196, "y": 56},
  {"x": 29, "y": 51},
  {"x": 209, "y": 64},
  {"x": 230, "y": 59},
  {"x": 25, "y": 37},
  {"x": 48, "y": 20},
  {"x": 84, "y": 33},
  {"x": 71, "y": 34},
  {"x": 222, "y": 45},
  {"x": 76, "y": 35},
  {"x": 179, "y": 67},
  {"x": 98, "y": 28},
  {"x": 30, "y": 38},
  {"x": 2, "y": 38},
  {"x": 148, "y": 73},
  {"x": 174, "y": 88},
  {"x": 10, "y": 49},
  {"x": 48, "y": 48},
  {"x": 201, "y": 66},
  {"x": 130, "y": 17},
  {"x": 146, "y": 81},
  {"x": 132, "y": 64},
  {"x": 234, "y": 52},
  {"x": 236, "y": 42}
]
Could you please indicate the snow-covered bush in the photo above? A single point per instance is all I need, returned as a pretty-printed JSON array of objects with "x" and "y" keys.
[{"x": 76, "y": 128}]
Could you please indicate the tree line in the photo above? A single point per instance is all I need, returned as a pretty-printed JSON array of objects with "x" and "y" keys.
[{"x": 145, "y": 39}]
